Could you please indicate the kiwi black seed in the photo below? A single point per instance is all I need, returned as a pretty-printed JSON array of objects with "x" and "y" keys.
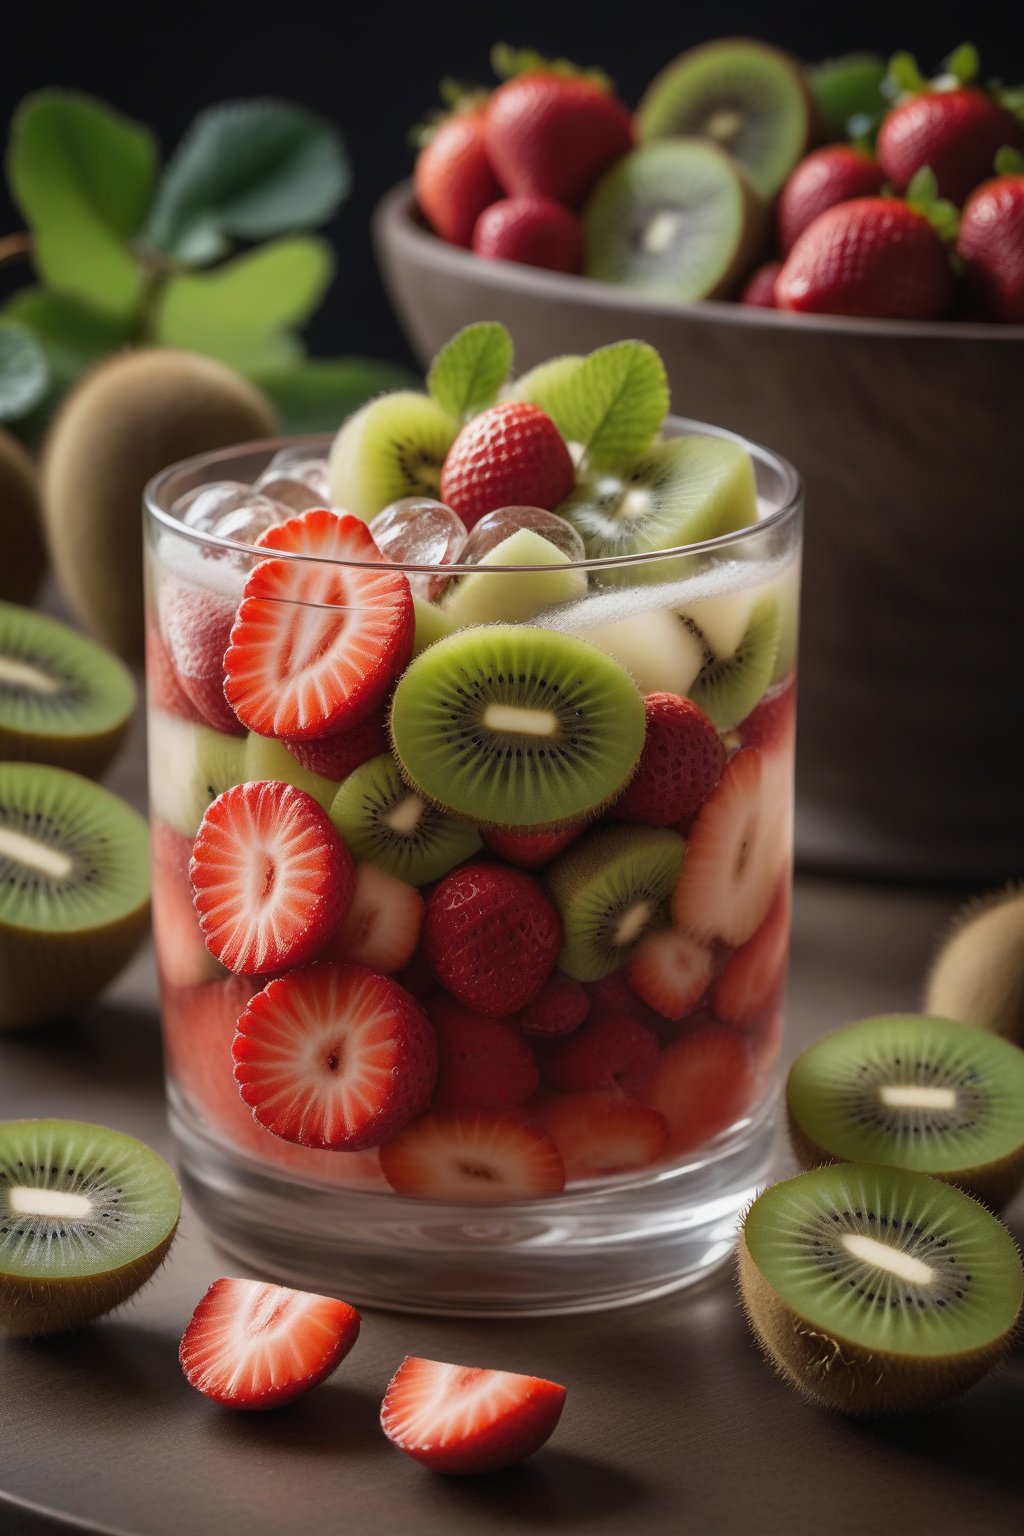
[
  {"x": 978, "y": 973},
  {"x": 393, "y": 447},
  {"x": 388, "y": 824},
  {"x": 728, "y": 688},
  {"x": 74, "y": 890},
  {"x": 515, "y": 726},
  {"x": 86, "y": 1216},
  {"x": 63, "y": 699},
  {"x": 913, "y": 1091},
  {"x": 878, "y": 1291}
]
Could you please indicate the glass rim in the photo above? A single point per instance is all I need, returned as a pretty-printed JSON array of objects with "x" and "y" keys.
[{"x": 791, "y": 501}]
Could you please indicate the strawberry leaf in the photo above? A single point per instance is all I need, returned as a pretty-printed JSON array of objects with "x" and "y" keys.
[
  {"x": 507, "y": 62},
  {"x": 24, "y": 374},
  {"x": 923, "y": 196},
  {"x": 611, "y": 403},
  {"x": 963, "y": 63},
  {"x": 904, "y": 77},
  {"x": 1009, "y": 162},
  {"x": 469, "y": 370}
]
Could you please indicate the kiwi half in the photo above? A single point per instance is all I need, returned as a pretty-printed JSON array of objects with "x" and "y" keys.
[
  {"x": 264, "y": 758},
  {"x": 512, "y": 726},
  {"x": 514, "y": 596},
  {"x": 189, "y": 766},
  {"x": 744, "y": 96},
  {"x": 392, "y": 447},
  {"x": 978, "y": 974},
  {"x": 63, "y": 699},
  {"x": 878, "y": 1291},
  {"x": 74, "y": 890},
  {"x": 387, "y": 824},
  {"x": 86, "y": 1216},
  {"x": 917, "y": 1092},
  {"x": 727, "y": 688}
]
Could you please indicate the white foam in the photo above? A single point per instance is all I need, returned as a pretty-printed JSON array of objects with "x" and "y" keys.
[{"x": 616, "y": 603}]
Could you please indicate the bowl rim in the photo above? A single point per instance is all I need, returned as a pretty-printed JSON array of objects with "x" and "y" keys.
[{"x": 399, "y": 228}]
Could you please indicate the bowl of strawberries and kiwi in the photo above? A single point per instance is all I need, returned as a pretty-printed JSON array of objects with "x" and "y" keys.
[{"x": 829, "y": 259}]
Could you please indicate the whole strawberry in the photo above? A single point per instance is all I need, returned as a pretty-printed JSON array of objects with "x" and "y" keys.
[
  {"x": 873, "y": 256},
  {"x": 828, "y": 176},
  {"x": 759, "y": 290},
  {"x": 954, "y": 132},
  {"x": 680, "y": 765},
  {"x": 991, "y": 246},
  {"x": 492, "y": 936},
  {"x": 510, "y": 456},
  {"x": 453, "y": 179},
  {"x": 533, "y": 230}
]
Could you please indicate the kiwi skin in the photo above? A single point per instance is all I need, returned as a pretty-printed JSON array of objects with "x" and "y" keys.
[
  {"x": 24, "y": 553},
  {"x": 978, "y": 974},
  {"x": 31, "y": 1308}
]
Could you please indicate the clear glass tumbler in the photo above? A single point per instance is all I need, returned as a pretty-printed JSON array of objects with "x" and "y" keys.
[{"x": 595, "y": 1144}]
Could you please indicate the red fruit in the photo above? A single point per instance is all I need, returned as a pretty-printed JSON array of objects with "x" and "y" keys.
[
  {"x": 603, "y": 1133},
  {"x": 873, "y": 256},
  {"x": 680, "y": 765},
  {"x": 253, "y": 1345},
  {"x": 492, "y": 937},
  {"x": 473, "y": 1158},
  {"x": 317, "y": 643},
  {"x": 956, "y": 133},
  {"x": 533, "y": 230},
  {"x": 826, "y": 177},
  {"x": 754, "y": 974},
  {"x": 553, "y": 135},
  {"x": 530, "y": 850},
  {"x": 760, "y": 288},
  {"x": 613, "y": 994},
  {"x": 560, "y": 1006},
  {"x": 772, "y": 721},
  {"x": 417, "y": 977},
  {"x": 991, "y": 246},
  {"x": 670, "y": 971},
  {"x": 382, "y": 927},
  {"x": 609, "y": 1051},
  {"x": 453, "y": 179},
  {"x": 197, "y": 623},
  {"x": 335, "y": 1056},
  {"x": 510, "y": 456},
  {"x": 163, "y": 690},
  {"x": 182, "y": 956},
  {"x": 335, "y": 757},
  {"x": 702, "y": 1085},
  {"x": 482, "y": 1063},
  {"x": 461, "y": 1419}
]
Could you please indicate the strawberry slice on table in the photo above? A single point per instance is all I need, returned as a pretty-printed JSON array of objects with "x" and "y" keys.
[
  {"x": 512, "y": 455},
  {"x": 382, "y": 927},
  {"x": 483, "y": 1063},
  {"x": 492, "y": 936},
  {"x": 271, "y": 877},
  {"x": 251, "y": 1345},
  {"x": 463, "y": 1419},
  {"x": 601, "y": 1134},
  {"x": 681, "y": 762},
  {"x": 755, "y": 973},
  {"x": 473, "y": 1158},
  {"x": 317, "y": 642},
  {"x": 670, "y": 971},
  {"x": 335, "y": 1056},
  {"x": 702, "y": 1084}
]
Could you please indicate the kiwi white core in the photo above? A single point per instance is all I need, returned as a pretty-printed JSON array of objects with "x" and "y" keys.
[
  {"x": 34, "y": 855},
  {"x": 884, "y": 1256},
  {"x": 25, "y": 1201},
  {"x": 23, "y": 675},
  {"x": 661, "y": 232},
  {"x": 724, "y": 125},
  {"x": 406, "y": 815},
  {"x": 633, "y": 922},
  {"x": 916, "y": 1096},
  {"x": 527, "y": 722}
]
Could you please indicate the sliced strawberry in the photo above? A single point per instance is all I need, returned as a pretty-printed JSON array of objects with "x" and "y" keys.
[
  {"x": 462, "y": 1419},
  {"x": 603, "y": 1133},
  {"x": 483, "y": 1063},
  {"x": 492, "y": 936},
  {"x": 335, "y": 757},
  {"x": 252, "y": 1345},
  {"x": 473, "y": 1158},
  {"x": 162, "y": 686},
  {"x": 681, "y": 763},
  {"x": 702, "y": 1085},
  {"x": 271, "y": 878},
  {"x": 560, "y": 1006},
  {"x": 318, "y": 642},
  {"x": 197, "y": 623},
  {"x": 772, "y": 721},
  {"x": 382, "y": 927},
  {"x": 610, "y": 1050},
  {"x": 670, "y": 971},
  {"x": 530, "y": 850},
  {"x": 755, "y": 972},
  {"x": 335, "y": 1056},
  {"x": 182, "y": 956}
]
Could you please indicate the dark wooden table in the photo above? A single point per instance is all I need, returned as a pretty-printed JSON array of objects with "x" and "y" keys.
[{"x": 673, "y": 1423}]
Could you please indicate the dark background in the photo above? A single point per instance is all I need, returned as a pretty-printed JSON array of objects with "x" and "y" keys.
[{"x": 374, "y": 69}]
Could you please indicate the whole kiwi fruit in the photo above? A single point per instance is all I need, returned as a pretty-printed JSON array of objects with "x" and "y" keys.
[
  {"x": 24, "y": 560},
  {"x": 978, "y": 973},
  {"x": 127, "y": 419}
]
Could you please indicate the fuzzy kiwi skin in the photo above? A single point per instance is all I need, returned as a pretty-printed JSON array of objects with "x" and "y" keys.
[
  {"x": 24, "y": 559},
  {"x": 127, "y": 419},
  {"x": 90, "y": 756},
  {"x": 978, "y": 974},
  {"x": 32, "y": 1308},
  {"x": 46, "y": 976}
]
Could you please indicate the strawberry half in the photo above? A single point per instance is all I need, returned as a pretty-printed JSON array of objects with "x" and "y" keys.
[
  {"x": 251, "y": 1345},
  {"x": 462, "y": 1419},
  {"x": 317, "y": 642},
  {"x": 492, "y": 936},
  {"x": 474, "y": 1159},
  {"x": 334, "y": 1056},
  {"x": 702, "y": 1085},
  {"x": 271, "y": 877},
  {"x": 609, "y": 1051},
  {"x": 197, "y": 623},
  {"x": 512, "y": 455},
  {"x": 753, "y": 978},
  {"x": 601, "y": 1134},
  {"x": 163, "y": 690},
  {"x": 681, "y": 762},
  {"x": 382, "y": 927},
  {"x": 670, "y": 971},
  {"x": 483, "y": 1063}
]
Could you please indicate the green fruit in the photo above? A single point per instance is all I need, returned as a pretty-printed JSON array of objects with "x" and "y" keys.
[
  {"x": 728, "y": 688},
  {"x": 189, "y": 766},
  {"x": 542, "y": 385},
  {"x": 514, "y": 596},
  {"x": 392, "y": 447},
  {"x": 86, "y": 1216},
  {"x": 74, "y": 891},
  {"x": 660, "y": 652},
  {"x": 513, "y": 726},
  {"x": 431, "y": 624},
  {"x": 63, "y": 699},
  {"x": 24, "y": 555},
  {"x": 264, "y": 757},
  {"x": 387, "y": 824},
  {"x": 611, "y": 887},
  {"x": 845, "y": 88},
  {"x": 978, "y": 974},
  {"x": 877, "y": 1291}
]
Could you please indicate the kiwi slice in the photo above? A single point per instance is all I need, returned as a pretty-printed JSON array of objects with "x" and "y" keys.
[
  {"x": 744, "y": 96},
  {"x": 660, "y": 652},
  {"x": 913, "y": 1091},
  {"x": 431, "y": 624},
  {"x": 542, "y": 385},
  {"x": 386, "y": 823},
  {"x": 86, "y": 1216},
  {"x": 876, "y": 1290},
  {"x": 266, "y": 758},
  {"x": 845, "y": 88},
  {"x": 513, "y": 726},
  {"x": 978, "y": 974},
  {"x": 727, "y": 688},
  {"x": 63, "y": 699},
  {"x": 515, "y": 596},
  {"x": 674, "y": 220},
  {"x": 392, "y": 447},
  {"x": 189, "y": 766},
  {"x": 611, "y": 886}
]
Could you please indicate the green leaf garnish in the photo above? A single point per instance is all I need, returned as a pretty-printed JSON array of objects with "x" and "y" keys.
[
  {"x": 83, "y": 178},
  {"x": 469, "y": 370},
  {"x": 611, "y": 403},
  {"x": 923, "y": 195},
  {"x": 248, "y": 170},
  {"x": 963, "y": 63},
  {"x": 1009, "y": 161},
  {"x": 73, "y": 335},
  {"x": 24, "y": 373},
  {"x": 318, "y": 394}
]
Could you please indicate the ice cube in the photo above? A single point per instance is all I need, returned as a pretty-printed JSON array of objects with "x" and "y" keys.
[
  {"x": 299, "y": 464},
  {"x": 419, "y": 531},
  {"x": 229, "y": 510},
  {"x": 498, "y": 526},
  {"x": 295, "y": 495}
]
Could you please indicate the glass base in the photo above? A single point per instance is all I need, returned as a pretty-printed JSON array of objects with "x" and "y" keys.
[{"x": 606, "y": 1246}]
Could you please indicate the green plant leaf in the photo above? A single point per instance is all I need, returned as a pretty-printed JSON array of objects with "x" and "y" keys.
[
  {"x": 24, "y": 372},
  {"x": 248, "y": 170},
  {"x": 73, "y": 335},
  {"x": 317, "y": 395},
  {"x": 83, "y": 178},
  {"x": 469, "y": 370},
  {"x": 612, "y": 402},
  {"x": 231, "y": 311}
]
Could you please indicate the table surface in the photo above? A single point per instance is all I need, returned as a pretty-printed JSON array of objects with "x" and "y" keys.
[{"x": 672, "y": 1420}]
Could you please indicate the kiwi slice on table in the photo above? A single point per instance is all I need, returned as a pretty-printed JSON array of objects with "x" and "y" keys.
[
  {"x": 876, "y": 1290},
  {"x": 747, "y": 98},
  {"x": 514, "y": 596},
  {"x": 674, "y": 220},
  {"x": 978, "y": 974},
  {"x": 86, "y": 1216},
  {"x": 386, "y": 823},
  {"x": 266, "y": 758},
  {"x": 913, "y": 1091},
  {"x": 610, "y": 887},
  {"x": 728, "y": 687},
  {"x": 845, "y": 88},
  {"x": 189, "y": 766},
  {"x": 63, "y": 699},
  {"x": 392, "y": 447},
  {"x": 513, "y": 726}
]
